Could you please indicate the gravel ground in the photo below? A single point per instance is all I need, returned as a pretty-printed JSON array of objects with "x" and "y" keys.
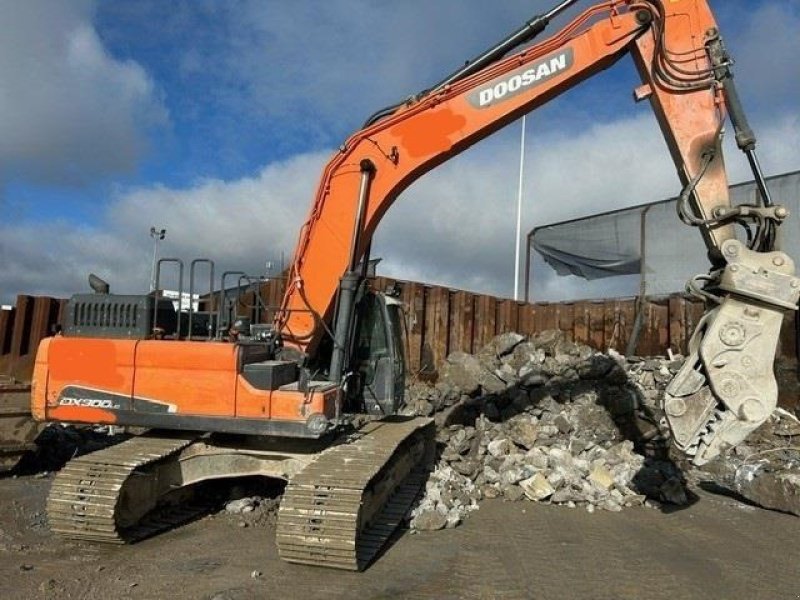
[
  {"x": 542, "y": 444},
  {"x": 715, "y": 548}
]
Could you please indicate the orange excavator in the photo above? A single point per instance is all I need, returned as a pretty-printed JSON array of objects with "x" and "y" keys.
[{"x": 313, "y": 399}]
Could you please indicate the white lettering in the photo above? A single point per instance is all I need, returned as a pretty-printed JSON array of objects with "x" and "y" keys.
[
  {"x": 559, "y": 63},
  {"x": 87, "y": 402},
  {"x": 520, "y": 81},
  {"x": 528, "y": 77},
  {"x": 542, "y": 71}
]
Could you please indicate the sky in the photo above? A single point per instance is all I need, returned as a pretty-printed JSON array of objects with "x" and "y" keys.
[{"x": 213, "y": 119}]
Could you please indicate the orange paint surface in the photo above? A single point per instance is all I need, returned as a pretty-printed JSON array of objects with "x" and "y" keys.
[
  {"x": 195, "y": 378},
  {"x": 293, "y": 405},
  {"x": 429, "y": 133},
  {"x": 199, "y": 378},
  {"x": 91, "y": 363},
  {"x": 280, "y": 405},
  {"x": 81, "y": 414},
  {"x": 251, "y": 402}
]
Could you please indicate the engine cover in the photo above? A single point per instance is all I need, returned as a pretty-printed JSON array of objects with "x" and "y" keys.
[{"x": 118, "y": 316}]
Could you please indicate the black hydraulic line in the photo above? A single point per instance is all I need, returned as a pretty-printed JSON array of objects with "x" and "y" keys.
[
  {"x": 524, "y": 34},
  {"x": 367, "y": 170},
  {"x": 381, "y": 114},
  {"x": 350, "y": 282},
  {"x": 745, "y": 137},
  {"x": 761, "y": 181}
]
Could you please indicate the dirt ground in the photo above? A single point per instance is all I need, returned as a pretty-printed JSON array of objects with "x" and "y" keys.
[{"x": 716, "y": 548}]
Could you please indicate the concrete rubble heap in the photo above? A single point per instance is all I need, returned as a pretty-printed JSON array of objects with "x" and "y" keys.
[
  {"x": 764, "y": 469},
  {"x": 547, "y": 420}
]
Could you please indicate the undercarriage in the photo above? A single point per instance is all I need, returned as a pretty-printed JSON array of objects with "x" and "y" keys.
[{"x": 343, "y": 499}]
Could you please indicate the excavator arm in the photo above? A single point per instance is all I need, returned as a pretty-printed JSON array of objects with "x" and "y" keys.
[{"x": 726, "y": 388}]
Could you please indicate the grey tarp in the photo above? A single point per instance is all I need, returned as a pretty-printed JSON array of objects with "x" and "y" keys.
[
  {"x": 611, "y": 244},
  {"x": 594, "y": 248}
]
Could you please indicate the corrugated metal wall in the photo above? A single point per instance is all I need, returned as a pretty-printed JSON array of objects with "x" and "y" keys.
[
  {"x": 21, "y": 329},
  {"x": 441, "y": 320}
]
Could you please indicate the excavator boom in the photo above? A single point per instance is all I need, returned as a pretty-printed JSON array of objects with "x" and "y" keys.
[
  {"x": 686, "y": 77},
  {"x": 447, "y": 120}
]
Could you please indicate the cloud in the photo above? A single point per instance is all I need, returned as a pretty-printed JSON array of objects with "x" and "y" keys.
[
  {"x": 240, "y": 224},
  {"x": 69, "y": 112},
  {"x": 455, "y": 226},
  {"x": 317, "y": 70},
  {"x": 765, "y": 47}
]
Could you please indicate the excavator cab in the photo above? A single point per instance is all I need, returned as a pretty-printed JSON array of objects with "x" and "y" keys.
[{"x": 379, "y": 353}]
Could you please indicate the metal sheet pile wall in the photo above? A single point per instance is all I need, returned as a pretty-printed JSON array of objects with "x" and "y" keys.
[
  {"x": 21, "y": 330},
  {"x": 442, "y": 320}
]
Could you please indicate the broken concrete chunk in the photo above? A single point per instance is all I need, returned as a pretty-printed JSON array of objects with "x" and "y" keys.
[
  {"x": 462, "y": 371},
  {"x": 563, "y": 423},
  {"x": 513, "y": 493},
  {"x": 511, "y": 476},
  {"x": 537, "y": 487},
  {"x": 499, "y": 448},
  {"x": 775, "y": 490},
  {"x": 490, "y": 491},
  {"x": 429, "y": 520},
  {"x": 548, "y": 340},
  {"x": 502, "y": 344},
  {"x": 491, "y": 383},
  {"x": 522, "y": 430},
  {"x": 242, "y": 505}
]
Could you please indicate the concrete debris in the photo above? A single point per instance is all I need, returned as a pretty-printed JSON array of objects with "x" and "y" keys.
[
  {"x": 242, "y": 505},
  {"x": 550, "y": 420},
  {"x": 765, "y": 470},
  {"x": 449, "y": 497},
  {"x": 537, "y": 487},
  {"x": 601, "y": 477},
  {"x": 250, "y": 504}
]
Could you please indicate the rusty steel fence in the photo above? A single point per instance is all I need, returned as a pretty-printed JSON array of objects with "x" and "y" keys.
[
  {"x": 30, "y": 320},
  {"x": 441, "y": 320}
]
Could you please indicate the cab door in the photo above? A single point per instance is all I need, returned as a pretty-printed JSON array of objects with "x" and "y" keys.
[{"x": 379, "y": 357}]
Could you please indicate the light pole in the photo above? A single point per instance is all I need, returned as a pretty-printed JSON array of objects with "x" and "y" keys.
[
  {"x": 157, "y": 235},
  {"x": 519, "y": 209}
]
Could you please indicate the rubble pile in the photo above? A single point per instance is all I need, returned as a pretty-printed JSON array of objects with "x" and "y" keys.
[
  {"x": 58, "y": 443},
  {"x": 547, "y": 420},
  {"x": 252, "y": 511},
  {"x": 764, "y": 469}
]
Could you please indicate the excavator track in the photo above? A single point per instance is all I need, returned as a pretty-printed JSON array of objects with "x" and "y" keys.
[
  {"x": 342, "y": 509},
  {"x": 84, "y": 500}
]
